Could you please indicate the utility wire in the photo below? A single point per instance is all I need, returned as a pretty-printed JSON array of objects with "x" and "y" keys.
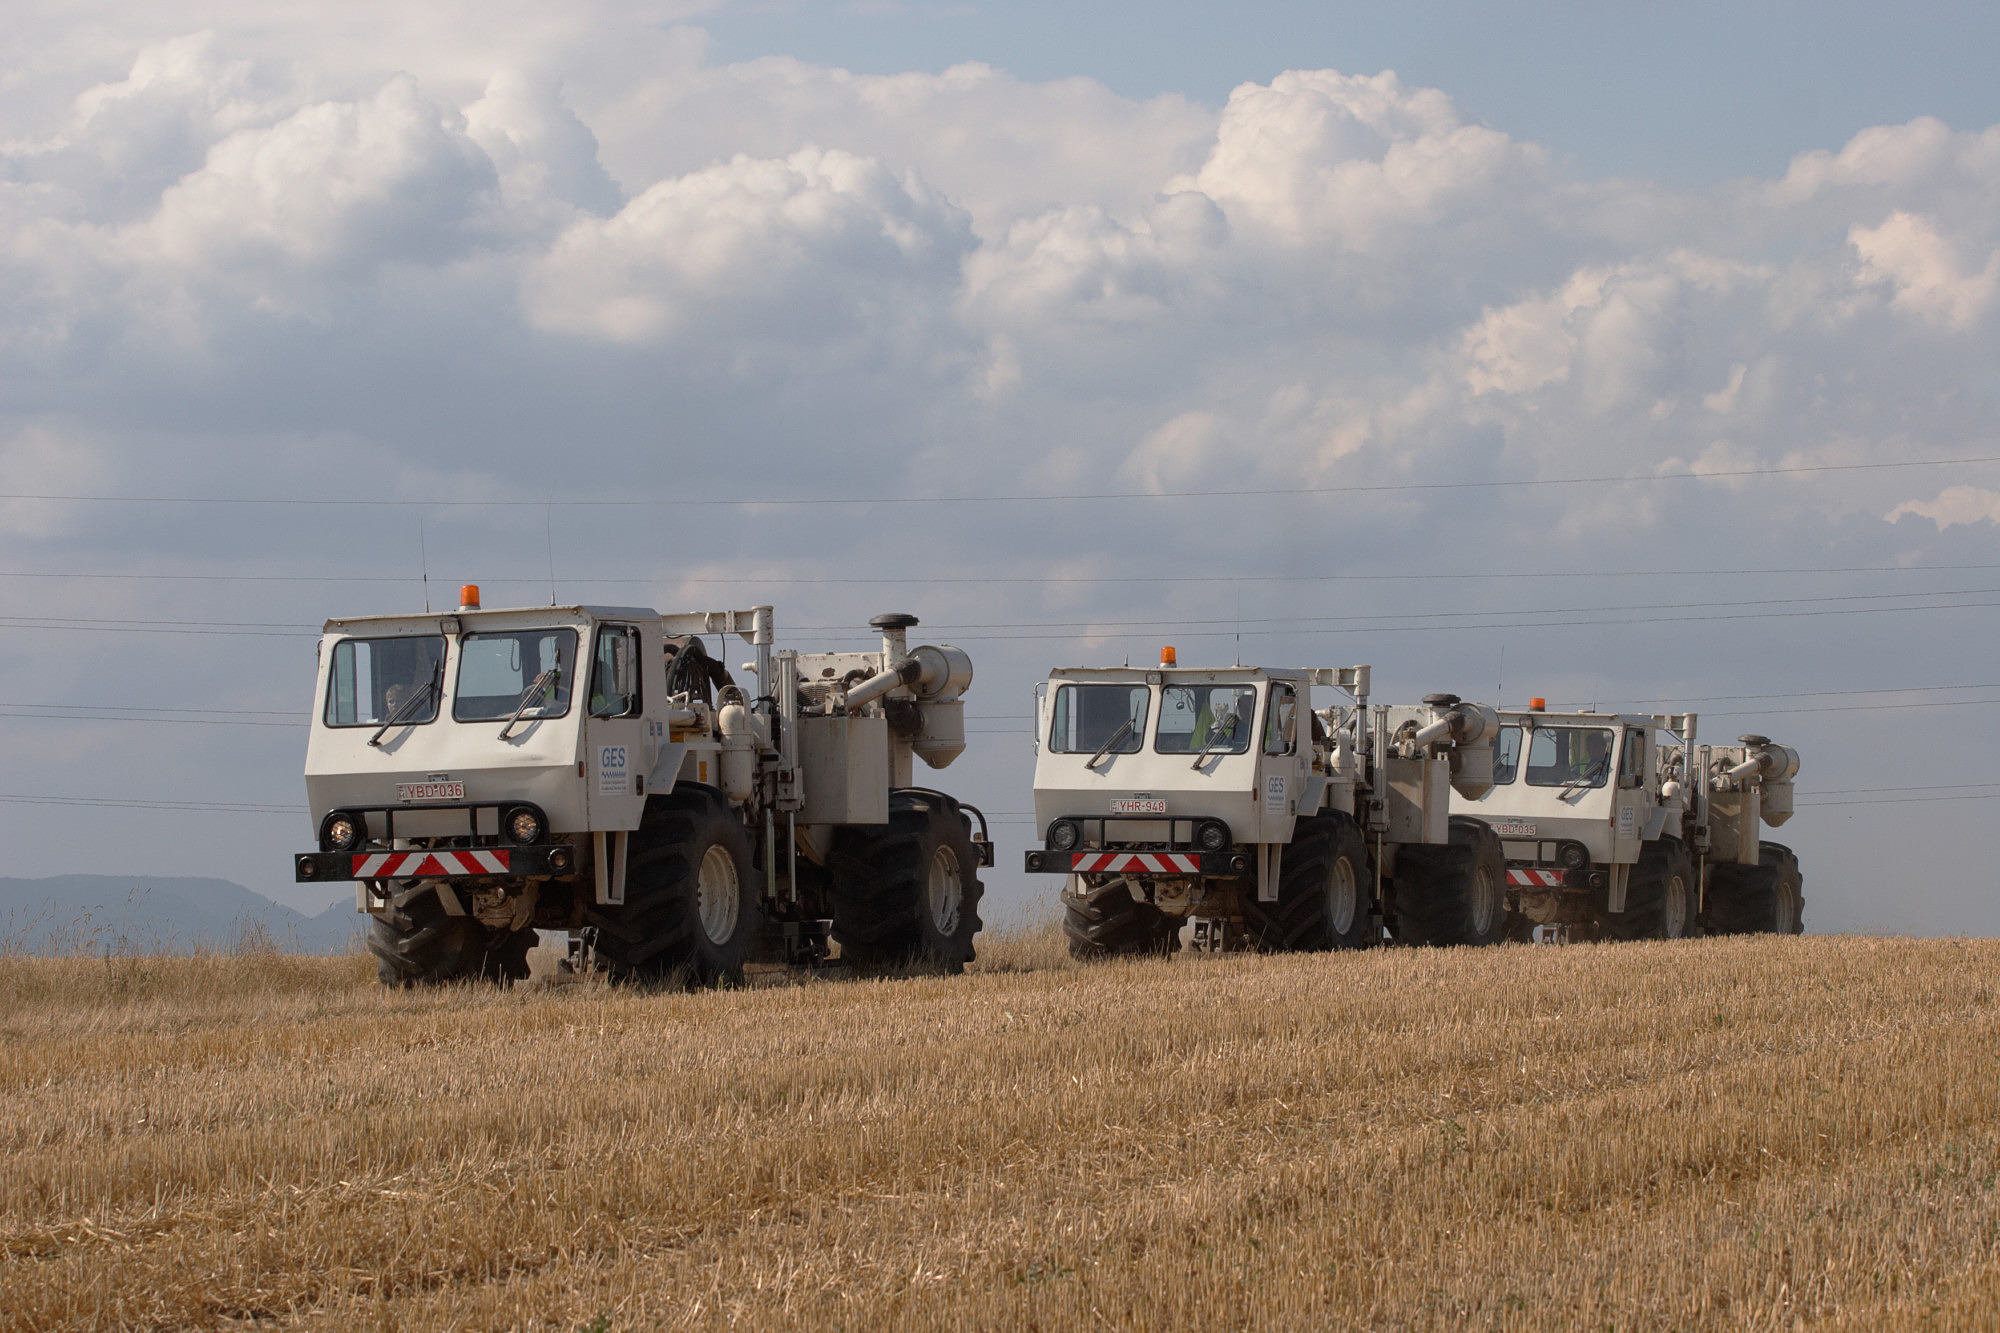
[
  {"x": 1092, "y": 629},
  {"x": 1025, "y": 580},
  {"x": 148, "y": 803},
  {"x": 1798, "y": 469}
]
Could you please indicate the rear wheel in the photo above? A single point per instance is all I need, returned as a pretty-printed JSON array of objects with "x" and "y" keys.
[
  {"x": 1455, "y": 894},
  {"x": 1765, "y": 899},
  {"x": 416, "y": 942},
  {"x": 690, "y": 904},
  {"x": 1108, "y": 922},
  {"x": 1660, "y": 896},
  {"x": 908, "y": 894},
  {"x": 1323, "y": 897}
]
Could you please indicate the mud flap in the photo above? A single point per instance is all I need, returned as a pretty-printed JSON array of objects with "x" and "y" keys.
[
  {"x": 1614, "y": 899},
  {"x": 1269, "y": 856},
  {"x": 610, "y": 866}
]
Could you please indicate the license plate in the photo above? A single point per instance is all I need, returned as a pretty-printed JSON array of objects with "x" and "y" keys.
[
  {"x": 1512, "y": 829},
  {"x": 1139, "y": 805},
  {"x": 430, "y": 791}
]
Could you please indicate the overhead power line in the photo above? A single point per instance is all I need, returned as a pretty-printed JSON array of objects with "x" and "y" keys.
[
  {"x": 822, "y": 501},
  {"x": 154, "y": 803},
  {"x": 1358, "y": 623}
]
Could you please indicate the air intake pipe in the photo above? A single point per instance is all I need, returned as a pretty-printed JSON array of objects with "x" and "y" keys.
[{"x": 928, "y": 672}]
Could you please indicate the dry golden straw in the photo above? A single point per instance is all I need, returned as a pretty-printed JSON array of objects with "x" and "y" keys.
[{"x": 1722, "y": 1133}]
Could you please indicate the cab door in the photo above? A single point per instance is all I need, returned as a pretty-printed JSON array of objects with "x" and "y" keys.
[
  {"x": 615, "y": 741},
  {"x": 1280, "y": 770},
  {"x": 1631, "y": 803}
]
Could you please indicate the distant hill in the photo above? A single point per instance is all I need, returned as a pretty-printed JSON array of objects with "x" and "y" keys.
[{"x": 154, "y": 914}]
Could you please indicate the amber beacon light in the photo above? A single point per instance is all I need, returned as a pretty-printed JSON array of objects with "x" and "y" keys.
[
  {"x": 468, "y": 597},
  {"x": 1166, "y": 657}
]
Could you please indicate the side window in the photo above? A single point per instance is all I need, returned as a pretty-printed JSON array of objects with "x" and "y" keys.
[
  {"x": 1506, "y": 755},
  {"x": 1632, "y": 765},
  {"x": 1281, "y": 726},
  {"x": 614, "y": 672}
]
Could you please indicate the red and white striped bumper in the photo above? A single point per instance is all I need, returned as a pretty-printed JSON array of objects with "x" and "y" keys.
[
  {"x": 429, "y": 865},
  {"x": 1145, "y": 863},
  {"x": 1535, "y": 879},
  {"x": 320, "y": 867},
  {"x": 1044, "y": 862}
]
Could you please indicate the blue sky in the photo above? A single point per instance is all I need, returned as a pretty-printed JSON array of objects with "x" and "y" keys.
[
  {"x": 1681, "y": 92},
  {"x": 360, "y": 270}
]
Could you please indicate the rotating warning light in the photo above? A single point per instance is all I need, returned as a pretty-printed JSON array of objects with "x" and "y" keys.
[
  {"x": 1167, "y": 657},
  {"x": 468, "y": 597}
]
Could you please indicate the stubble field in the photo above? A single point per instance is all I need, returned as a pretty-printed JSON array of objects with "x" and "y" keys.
[{"x": 1720, "y": 1133}]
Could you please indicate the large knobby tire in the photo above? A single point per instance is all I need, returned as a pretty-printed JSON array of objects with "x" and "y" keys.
[
  {"x": 1108, "y": 922},
  {"x": 690, "y": 908},
  {"x": 907, "y": 894},
  {"x": 416, "y": 942},
  {"x": 1455, "y": 894},
  {"x": 1661, "y": 896},
  {"x": 1325, "y": 900},
  {"x": 1765, "y": 899}
]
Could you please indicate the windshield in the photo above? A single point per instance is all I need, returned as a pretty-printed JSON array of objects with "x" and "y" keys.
[
  {"x": 1213, "y": 719},
  {"x": 373, "y": 679},
  {"x": 1092, "y": 719},
  {"x": 1569, "y": 757},
  {"x": 496, "y": 670},
  {"x": 1506, "y": 755}
]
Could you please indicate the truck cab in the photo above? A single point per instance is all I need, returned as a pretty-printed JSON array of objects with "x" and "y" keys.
[{"x": 1194, "y": 769}]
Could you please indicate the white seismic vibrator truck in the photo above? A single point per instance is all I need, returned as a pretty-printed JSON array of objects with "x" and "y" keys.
[
  {"x": 1219, "y": 795},
  {"x": 483, "y": 774},
  {"x": 1619, "y": 826}
]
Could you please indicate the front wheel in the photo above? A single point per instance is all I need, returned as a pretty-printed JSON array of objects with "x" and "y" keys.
[
  {"x": 908, "y": 894},
  {"x": 1324, "y": 900},
  {"x": 1106, "y": 921},
  {"x": 1660, "y": 896},
  {"x": 690, "y": 906},
  {"x": 416, "y": 942}
]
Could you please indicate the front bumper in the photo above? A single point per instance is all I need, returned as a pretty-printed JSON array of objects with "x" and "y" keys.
[
  {"x": 1116, "y": 862},
  {"x": 449, "y": 863}
]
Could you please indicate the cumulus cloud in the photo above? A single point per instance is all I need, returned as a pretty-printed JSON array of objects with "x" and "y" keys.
[
  {"x": 1953, "y": 505},
  {"x": 1924, "y": 269},
  {"x": 802, "y": 245},
  {"x": 1360, "y": 162}
]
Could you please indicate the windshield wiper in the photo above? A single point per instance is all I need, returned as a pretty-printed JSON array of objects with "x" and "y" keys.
[
  {"x": 432, "y": 687},
  {"x": 1588, "y": 778},
  {"x": 531, "y": 698},
  {"x": 1124, "y": 730},
  {"x": 1218, "y": 736}
]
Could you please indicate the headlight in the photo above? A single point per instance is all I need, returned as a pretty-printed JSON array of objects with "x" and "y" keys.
[
  {"x": 1064, "y": 834},
  {"x": 524, "y": 826},
  {"x": 1572, "y": 856},
  {"x": 340, "y": 833},
  {"x": 1212, "y": 836}
]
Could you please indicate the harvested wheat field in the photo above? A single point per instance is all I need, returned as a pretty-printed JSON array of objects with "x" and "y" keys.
[{"x": 1722, "y": 1133}]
